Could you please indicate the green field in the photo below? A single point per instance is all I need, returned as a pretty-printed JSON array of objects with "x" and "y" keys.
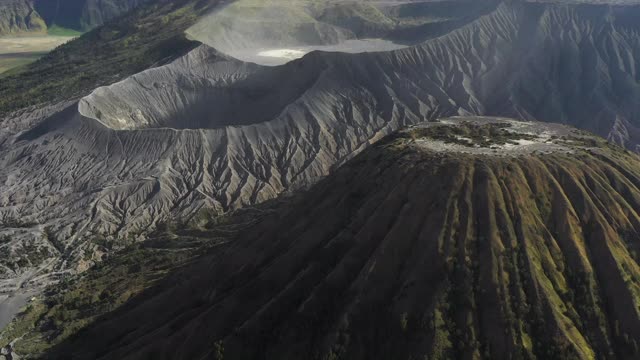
[
  {"x": 56, "y": 30},
  {"x": 17, "y": 51},
  {"x": 143, "y": 38}
]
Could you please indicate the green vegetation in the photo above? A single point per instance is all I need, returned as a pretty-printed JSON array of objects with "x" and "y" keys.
[
  {"x": 19, "y": 51},
  {"x": 56, "y": 30},
  {"x": 218, "y": 351},
  {"x": 28, "y": 255},
  {"x": 144, "y": 38},
  {"x": 472, "y": 135},
  {"x": 77, "y": 301},
  {"x": 9, "y": 63}
]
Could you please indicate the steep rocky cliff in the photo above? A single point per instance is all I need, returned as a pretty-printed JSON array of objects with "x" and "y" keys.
[
  {"x": 36, "y": 16},
  {"x": 20, "y": 16},
  {"x": 83, "y": 15}
]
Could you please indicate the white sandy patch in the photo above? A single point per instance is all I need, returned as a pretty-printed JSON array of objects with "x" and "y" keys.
[
  {"x": 525, "y": 142},
  {"x": 519, "y": 144},
  {"x": 539, "y": 137},
  {"x": 10, "y": 306},
  {"x": 279, "y": 56},
  {"x": 462, "y": 138},
  {"x": 522, "y": 147},
  {"x": 289, "y": 54}
]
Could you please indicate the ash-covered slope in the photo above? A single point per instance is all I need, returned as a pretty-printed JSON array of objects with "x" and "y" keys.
[
  {"x": 211, "y": 132},
  {"x": 275, "y": 32},
  {"x": 553, "y": 63},
  {"x": 473, "y": 238},
  {"x": 204, "y": 90}
]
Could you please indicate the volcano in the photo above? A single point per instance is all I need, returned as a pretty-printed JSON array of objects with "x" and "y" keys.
[{"x": 468, "y": 238}]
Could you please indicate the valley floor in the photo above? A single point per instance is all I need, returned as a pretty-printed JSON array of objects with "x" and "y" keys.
[{"x": 21, "y": 50}]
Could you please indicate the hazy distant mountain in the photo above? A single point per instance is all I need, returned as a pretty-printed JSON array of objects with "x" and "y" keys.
[
  {"x": 83, "y": 14},
  {"x": 35, "y": 16},
  {"x": 20, "y": 16}
]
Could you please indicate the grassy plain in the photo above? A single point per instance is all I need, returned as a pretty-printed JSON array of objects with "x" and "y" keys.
[{"x": 18, "y": 51}]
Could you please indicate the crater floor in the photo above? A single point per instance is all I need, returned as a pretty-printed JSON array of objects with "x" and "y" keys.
[
  {"x": 276, "y": 32},
  {"x": 279, "y": 56}
]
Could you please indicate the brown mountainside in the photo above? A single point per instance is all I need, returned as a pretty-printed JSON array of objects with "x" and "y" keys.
[{"x": 470, "y": 238}]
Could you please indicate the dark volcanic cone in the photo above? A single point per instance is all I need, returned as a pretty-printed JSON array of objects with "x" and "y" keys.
[{"x": 466, "y": 239}]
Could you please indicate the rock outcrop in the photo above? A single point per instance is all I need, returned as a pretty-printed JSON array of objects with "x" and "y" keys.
[
  {"x": 20, "y": 16},
  {"x": 83, "y": 15}
]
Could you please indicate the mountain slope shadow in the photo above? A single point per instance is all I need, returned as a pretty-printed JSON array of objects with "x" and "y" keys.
[
  {"x": 470, "y": 238},
  {"x": 131, "y": 275}
]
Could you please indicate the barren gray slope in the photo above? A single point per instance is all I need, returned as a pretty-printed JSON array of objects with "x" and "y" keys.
[
  {"x": 169, "y": 142},
  {"x": 563, "y": 64},
  {"x": 257, "y": 31},
  {"x": 83, "y": 14}
]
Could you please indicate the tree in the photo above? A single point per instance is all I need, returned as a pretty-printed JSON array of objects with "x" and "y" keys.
[{"x": 218, "y": 350}]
